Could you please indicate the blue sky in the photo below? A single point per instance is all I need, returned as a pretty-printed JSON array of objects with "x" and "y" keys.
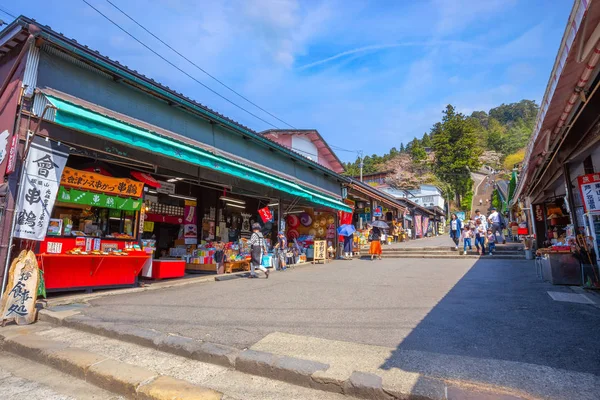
[{"x": 367, "y": 74}]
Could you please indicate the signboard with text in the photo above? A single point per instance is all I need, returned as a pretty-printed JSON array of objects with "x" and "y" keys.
[
  {"x": 320, "y": 248},
  {"x": 39, "y": 186},
  {"x": 589, "y": 187},
  {"x": 101, "y": 183}
]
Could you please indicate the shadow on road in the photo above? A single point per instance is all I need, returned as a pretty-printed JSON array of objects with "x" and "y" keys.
[{"x": 497, "y": 323}]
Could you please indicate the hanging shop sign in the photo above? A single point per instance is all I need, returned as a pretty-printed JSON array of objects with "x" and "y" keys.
[
  {"x": 377, "y": 211},
  {"x": 92, "y": 181},
  {"x": 39, "y": 187},
  {"x": 425, "y": 225},
  {"x": 190, "y": 226},
  {"x": 265, "y": 214},
  {"x": 589, "y": 186},
  {"x": 18, "y": 301},
  {"x": 539, "y": 212},
  {"x": 98, "y": 200},
  {"x": 12, "y": 155},
  {"x": 418, "y": 226},
  {"x": 166, "y": 187}
]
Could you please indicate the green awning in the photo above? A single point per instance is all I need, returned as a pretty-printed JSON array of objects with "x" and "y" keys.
[{"x": 76, "y": 117}]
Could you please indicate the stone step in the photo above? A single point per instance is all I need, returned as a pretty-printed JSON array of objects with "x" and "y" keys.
[{"x": 134, "y": 371}]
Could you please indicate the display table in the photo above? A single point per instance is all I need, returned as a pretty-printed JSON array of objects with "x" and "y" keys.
[
  {"x": 561, "y": 268},
  {"x": 240, "y": 265},
  {"x": 63, "y": 272},
  {"x": 162, "y": 269}
]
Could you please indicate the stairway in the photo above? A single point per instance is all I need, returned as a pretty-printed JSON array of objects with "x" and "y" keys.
[{"x": 503, "y": 252}]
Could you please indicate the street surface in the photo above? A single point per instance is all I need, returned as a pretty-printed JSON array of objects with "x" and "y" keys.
[{"x": 489, "y": 321}]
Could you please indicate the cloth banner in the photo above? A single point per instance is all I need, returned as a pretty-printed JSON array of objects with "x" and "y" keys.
[
  {"x": 101, "y": 183},
  {"x": 39, "y": 186},
  {"x": 345, "y": 218},
  {"x": 425, "y": 225},
  {"x": 190, "y": 220},
  {"x": 265, "y": 214},
  {"x": 418, "y": 226},
  {"x": 98, "y": 200}
]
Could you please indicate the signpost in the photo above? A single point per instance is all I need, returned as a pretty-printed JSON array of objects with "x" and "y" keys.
[{"x": 320, "y": 253}]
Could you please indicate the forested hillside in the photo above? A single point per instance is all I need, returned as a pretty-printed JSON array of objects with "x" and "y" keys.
[{"x": 455, "y": 146}]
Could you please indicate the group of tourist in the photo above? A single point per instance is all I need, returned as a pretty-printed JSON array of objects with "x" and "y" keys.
[{"x": 484, "y": 231}]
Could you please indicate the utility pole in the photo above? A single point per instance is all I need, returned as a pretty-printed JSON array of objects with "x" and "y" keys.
[{"x": 360, "y": 157}]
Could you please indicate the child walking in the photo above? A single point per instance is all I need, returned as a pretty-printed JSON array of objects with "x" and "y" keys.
[
  {"x": 491, "y": 242},
  {"x": 480, "y": 237},
  {"x": 467, "y": 235}
]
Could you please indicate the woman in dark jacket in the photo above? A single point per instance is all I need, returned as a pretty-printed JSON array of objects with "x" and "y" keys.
[{"x": 455, "y": 229}]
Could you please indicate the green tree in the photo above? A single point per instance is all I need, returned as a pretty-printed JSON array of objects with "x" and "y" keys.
[
  {"x": 426, "y": 141},
  {"x": 496, "y": 135},
  {"x": 402, "y": 148},
  {"x": 507, "y": 114},
  {"x": 417, "y": 151},
  {"x": 482, "y": 117},
  {"x": 457, "y": 151}
]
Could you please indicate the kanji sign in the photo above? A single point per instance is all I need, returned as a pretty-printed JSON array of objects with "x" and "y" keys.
[
  {"x": 265, "y": 214},
  {"x": 589, "y": 186},
  {"x": 39, "y": 187},
  {"x": 190, "y": 220},
  {"x": 320, "y": 248},
  {"x": 106, "y": 184},
  {"x": 98, "y": 200},
  {"x": 18, "y": 301}
]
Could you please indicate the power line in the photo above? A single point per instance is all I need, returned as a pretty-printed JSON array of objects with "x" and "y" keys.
[
  {"x": 196, "y": 65},
  {"x": 7, "y": 13},
  {"x": 176, "y": 67}
]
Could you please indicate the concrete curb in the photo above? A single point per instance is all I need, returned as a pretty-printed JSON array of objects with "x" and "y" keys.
[
  {"x": 117, "y": 377},
  {"x": 296, "y": 371}
]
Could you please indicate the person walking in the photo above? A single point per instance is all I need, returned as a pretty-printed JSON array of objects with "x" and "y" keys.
[
  {"x": 491, "y": 237},
  {"x": 495, "y": 220},
  {"x": 348, "y": 246},
  {"x": 482, "y": 218},
  {"x": 467, "y": 234},
  {"x": 455, "y": 229},
  {"x": 281, "y": 247},
  {"x": 480, "y": 232},
  {"x": 257, "y": 247},
  {"x": 375, "y": 247}
]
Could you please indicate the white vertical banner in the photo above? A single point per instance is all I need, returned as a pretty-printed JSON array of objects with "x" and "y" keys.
[{"x": 39, "y": 186}]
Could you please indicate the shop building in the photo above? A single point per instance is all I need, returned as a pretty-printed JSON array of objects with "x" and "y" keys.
[
  {"x": 556, "y": 194},
  {"x": 309, "y": 143},
  {"x": 203, "y": 177}
]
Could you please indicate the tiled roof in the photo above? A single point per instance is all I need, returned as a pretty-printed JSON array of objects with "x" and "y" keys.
[{"x": 50, "y": 34}]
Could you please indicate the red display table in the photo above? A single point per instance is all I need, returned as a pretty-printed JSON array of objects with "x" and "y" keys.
[
  {"x": 162, "y": 269},
  {"x": 64, "y": 272}
]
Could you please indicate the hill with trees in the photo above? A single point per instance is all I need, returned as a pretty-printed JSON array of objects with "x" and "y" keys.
[{"x": 454, "y": 147}]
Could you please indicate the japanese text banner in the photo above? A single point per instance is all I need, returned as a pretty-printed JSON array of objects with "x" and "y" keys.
[
  {"x": 98, "y": 200},
  {"x": 100, "y": 183},
  {"x": 39, "y": 186}
]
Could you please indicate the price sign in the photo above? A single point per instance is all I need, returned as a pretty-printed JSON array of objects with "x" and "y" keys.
[{"x": 54, "y": 248}]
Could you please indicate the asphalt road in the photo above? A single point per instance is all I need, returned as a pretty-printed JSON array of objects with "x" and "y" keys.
[{"x": 485, "y": 309}]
